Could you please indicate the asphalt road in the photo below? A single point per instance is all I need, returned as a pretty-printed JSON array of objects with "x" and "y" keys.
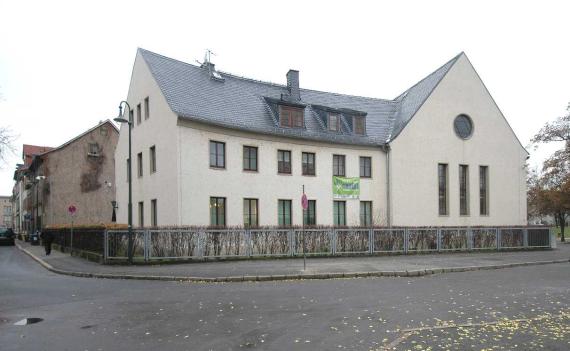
[{"x": 526, "y": 308}]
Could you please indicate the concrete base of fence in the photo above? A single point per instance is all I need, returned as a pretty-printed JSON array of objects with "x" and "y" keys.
[{"x": 88, "y": 255}]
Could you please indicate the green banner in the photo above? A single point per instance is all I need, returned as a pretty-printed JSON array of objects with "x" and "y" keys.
[{"x": 346, "y": 188}]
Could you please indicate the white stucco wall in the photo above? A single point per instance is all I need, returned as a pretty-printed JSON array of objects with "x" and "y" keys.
[
  {"x": 429, "y": 139},
  {"x": 159, "y": 130},
  {"x": 199, "y": 182}
]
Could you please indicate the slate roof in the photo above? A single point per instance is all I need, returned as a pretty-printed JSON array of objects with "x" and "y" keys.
[{"x": 246, "y": 104}]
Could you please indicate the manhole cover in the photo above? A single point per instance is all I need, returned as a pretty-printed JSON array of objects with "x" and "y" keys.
[{"x": 27, "y": 321}]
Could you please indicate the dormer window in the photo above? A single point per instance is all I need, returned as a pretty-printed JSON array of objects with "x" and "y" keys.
[
  {"x": 291, "y": 117},
  {"x": 334, "y": 122},
  {"x": 359, "y": 125}
]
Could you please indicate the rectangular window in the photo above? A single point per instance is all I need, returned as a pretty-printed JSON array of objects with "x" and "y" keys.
[
  {"x": 284, "y": 161},
  {"x": 284, "y": 212},
  {"x": 153, "y": 213},
  {"x": 338, "y": 165},
  {"x": 308, "y": 163},
  {"x": 152, "y": 159},
  {"x": 141, "y": 214},
  {"x": 463, "y": 190},
  {"x": 291, "y": 117},
  {"x": 132, "y": 118},
  {"x": 484, "y": 190},
  {"x": 218, "y": 211},
  {"x": 139, "y": 164},
  {"x": 310, "y": 214},
  {"x": 365, "y": 167},
  {"x": 442, "y": 181},
  {"x": 250, "y": 211},
  {"x": 139, "y": 114},
  {"x": 93, "y": 149},
  {"x": 334, "y": 122},
  {"x": 339, "y": 212},
  {"x": 366, "y": 213},
  {"x": 217, "y": 154},
  {"x": 146, "y": 108},
  {"x": 249, "y": 158},
  {"x": 359, "y": 125},
  {"x": 128, "y": 170}
]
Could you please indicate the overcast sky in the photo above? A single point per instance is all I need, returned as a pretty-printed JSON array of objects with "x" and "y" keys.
[{"x": 64, "y": 66}]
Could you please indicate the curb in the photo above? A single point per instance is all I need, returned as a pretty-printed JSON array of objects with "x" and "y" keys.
[{"x": 259, "y": 278}]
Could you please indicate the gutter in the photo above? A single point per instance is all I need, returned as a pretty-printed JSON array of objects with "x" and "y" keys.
[{"x": 386, "y": 148}]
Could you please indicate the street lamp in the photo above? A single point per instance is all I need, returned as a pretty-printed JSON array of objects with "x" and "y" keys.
[
  {"x": 36, "y": 183},
  {"x": 121, "y": 119}
]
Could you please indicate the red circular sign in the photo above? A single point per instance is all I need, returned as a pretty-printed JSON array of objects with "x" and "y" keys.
[
  {"x": 71, "y": 209},
  {"x": 304, "y": 202}
]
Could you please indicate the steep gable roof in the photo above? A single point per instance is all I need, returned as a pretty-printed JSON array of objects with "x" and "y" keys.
[{"x": 246, "y": 104}]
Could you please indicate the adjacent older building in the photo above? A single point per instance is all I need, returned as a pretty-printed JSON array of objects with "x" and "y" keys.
[
  {"x": 79, "y": 173},
  {"x": 211, "y": 148},
  {"x": 6, "y": 211}
]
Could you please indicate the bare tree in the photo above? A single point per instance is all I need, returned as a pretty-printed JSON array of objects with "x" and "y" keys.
[{"x": 7, "y": 139}]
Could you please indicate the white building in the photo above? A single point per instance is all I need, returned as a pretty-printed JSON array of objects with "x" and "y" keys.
[{"x": 215, "y": 148}]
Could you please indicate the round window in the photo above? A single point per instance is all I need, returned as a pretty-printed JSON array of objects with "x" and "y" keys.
[{"x": 463, "y": 126}]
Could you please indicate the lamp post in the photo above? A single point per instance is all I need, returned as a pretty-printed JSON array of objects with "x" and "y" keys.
[
  {"x": 37, "y": 186},
  {"x": 121, "y": 119}
]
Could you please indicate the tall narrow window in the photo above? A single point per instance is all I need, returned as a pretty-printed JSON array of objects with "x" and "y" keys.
[
  {"x": 291, "y": 117},
  {"x": 152, "y": 159},
  {"x": 139, "y": 114},
  {"x": 284, "y": 212},
  {"x": 310, "y": 214},
  {"x": 250, "y": 211},
  {"x": 217, "y": 154},
  {"x": 153, "y": 213},
  {"x": 338, "y": 165},
  {"x": 484, "y": 190},
  {"x": 365, "y": 167},
  {"x": 249, "y": 158},
  {"x": 359, "y": 125},
  {"x": 146, "y": 108},
  {"x": 308, "y": 163},
  {"x": 463, "y": 190},
  {"x": 284, "y": 161},
  {"x": 128, "y": 169},
  {"x": 442, "y": 196},
  {"x": 217, "y": 211},
  {"x": 339, "y": 212},
  {"x": 139, "y": 164},
  {"x": 334, "y": 122},
  {"x": 365, "y": 213},
  {"x": 141, "y": 214},
  {"x": 132, "y": 117}
]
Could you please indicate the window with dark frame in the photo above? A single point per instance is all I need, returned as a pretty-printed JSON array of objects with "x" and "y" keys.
[
  {"x": 284, "y": 212},
  {"x": 152, "y": 159},
  {"x": 359, "y": 123},
  {"x": 310, "y": 214},
  {"x": 334, "y": 122},
  {"x": 365, "y": 213},
  {"x": 250, "y": 213},
  {"x": 132, "y": 118},
  {"x": 365, "y": 167},
  {"x": 141, "y": 214},
  {"x": 217, "y": 154},
  {"x": 308, "y": 161},
  {"x": 339, "y": 165},
  {"x": 139, "y": 114},
  {"x": 140, "y": 164},
  {"x": 442, "y": 184},
  {"x": 218, "y": 211},
  {"x": 153, "y": 213},
  {"x": 93, "y": 149},
  {"x": 463, "y": 190},
  {"x": 146, "y": 108},
  {"x": 249, "y": 158},
  {"x": 483, "y": 190},
  {"x": 284, "y": 161},
  {"x": 339, "y": 212},
  {"x": 292, "y": 117}
]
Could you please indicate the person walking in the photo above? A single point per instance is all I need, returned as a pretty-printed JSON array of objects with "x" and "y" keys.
[{"x": 47, "y": 238}]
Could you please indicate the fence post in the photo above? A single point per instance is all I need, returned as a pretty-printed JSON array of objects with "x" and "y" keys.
[
  {"x": 201, "y": 239},
  {"x": 525, "y": 237},
  {"x": 469, "y": 239},
  {"x": 498, "y": 236},
  {"x": 371, "y": 241},
  {"x": 291, "y": 237},
  {"x": 248, "y": 243},
  {"x": 406, "y": 240},
  {"x": 332, "y": 237},
  {"x": 105, "y": 246},
  {"x": 438, "y": 235}
]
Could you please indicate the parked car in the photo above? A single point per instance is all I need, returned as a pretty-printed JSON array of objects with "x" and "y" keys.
[{"x": 6, "y": 236}]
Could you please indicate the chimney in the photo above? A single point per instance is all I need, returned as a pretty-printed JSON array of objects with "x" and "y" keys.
[{"x": 293, "y": 85}]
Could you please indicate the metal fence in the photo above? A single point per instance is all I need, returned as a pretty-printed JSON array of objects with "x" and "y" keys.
[{"x": 158, "y": 244}]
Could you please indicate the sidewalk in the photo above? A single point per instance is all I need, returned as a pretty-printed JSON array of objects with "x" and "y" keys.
[{"x": 317, "y": 268}]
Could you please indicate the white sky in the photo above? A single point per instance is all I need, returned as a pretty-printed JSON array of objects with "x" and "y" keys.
[{"x": 65, "y": 65}]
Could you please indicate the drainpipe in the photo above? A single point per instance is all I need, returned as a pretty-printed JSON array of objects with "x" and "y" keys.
[{"x": 386, "y": 148}]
